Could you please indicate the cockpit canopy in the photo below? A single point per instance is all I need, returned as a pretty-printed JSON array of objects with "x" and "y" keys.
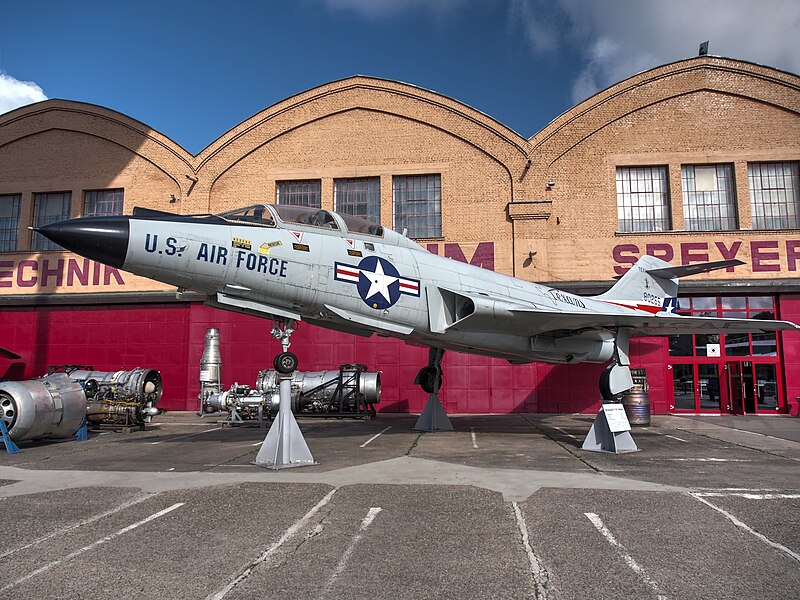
[{"x": 267, "y": 215}]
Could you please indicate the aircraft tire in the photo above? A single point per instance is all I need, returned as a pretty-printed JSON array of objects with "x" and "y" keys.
[
  {"x": 605, "y": 387},
  {"x": 285, "y": 363},
  {"x": 427, "y": 379}
]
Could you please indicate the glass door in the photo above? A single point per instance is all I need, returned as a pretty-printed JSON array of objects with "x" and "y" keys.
[
  {"x": 735, "y": 388},
  {"x": 696, "y": 387}
]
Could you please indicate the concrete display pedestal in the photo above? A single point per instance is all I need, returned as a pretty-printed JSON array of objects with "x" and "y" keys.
[
  {"x": 433, "y": 417},
  {"x": 284, "y": 445},
  {"x": 610, "y": 431}
]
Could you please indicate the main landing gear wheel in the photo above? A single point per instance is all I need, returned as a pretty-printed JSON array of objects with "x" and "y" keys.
[
  {"x": 285, "y": 363},
  {"x": 427, "y": 378}
]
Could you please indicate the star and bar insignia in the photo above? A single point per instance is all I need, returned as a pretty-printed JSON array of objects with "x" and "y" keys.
[{"x": 379, "y": 283}]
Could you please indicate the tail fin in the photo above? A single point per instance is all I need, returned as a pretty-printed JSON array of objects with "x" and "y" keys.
[{"x": 655, "y": 282}]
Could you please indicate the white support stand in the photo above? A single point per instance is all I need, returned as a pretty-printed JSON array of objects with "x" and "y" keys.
[
  {"x": 610, "y": 431},
  {"x": 433, "y": 417},
  {"x": 284, "y": 445}
]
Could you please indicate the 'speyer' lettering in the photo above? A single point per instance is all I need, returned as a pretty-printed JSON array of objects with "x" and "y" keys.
[{"x": 766, "y": 256}]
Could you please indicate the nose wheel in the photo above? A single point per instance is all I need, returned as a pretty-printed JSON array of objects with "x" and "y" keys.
[
  {"x": 285, "y": 363},
  {"x": 282, "y": 330}
]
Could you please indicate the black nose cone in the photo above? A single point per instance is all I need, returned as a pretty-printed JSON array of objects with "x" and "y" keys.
[{"x": 104, "y": 239}]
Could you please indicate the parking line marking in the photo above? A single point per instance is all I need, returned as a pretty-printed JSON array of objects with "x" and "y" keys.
[
  {"x": 185, "y": 436},
  {"x": 676, "y": 438},
  {"x": 366, "y": 522},
  {"x": 743, "y": 526},
  {"x": 88, "y": 521},
  {"x": 623, "y": 552},
  {"x": 567, "y": 434},
  {"x": 474, "y": 439},
  {"x": 91, "y": 546},
  {"x": 539, "y": 574},
  {"x": 748, "y": 495},
  {"x": 712, "y": 459},
  {"x": 375, "y": 436},
  {"x": 288, "y": 534}
]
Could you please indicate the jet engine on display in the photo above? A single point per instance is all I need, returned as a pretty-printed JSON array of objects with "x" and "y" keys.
[
  {"x": 54, "y": 406},
  {"x": 120, "y": 397},
  {"x": 349, "y": 392}
]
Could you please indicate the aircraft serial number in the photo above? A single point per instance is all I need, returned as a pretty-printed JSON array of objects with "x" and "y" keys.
[{"x": 652, "y": 298}]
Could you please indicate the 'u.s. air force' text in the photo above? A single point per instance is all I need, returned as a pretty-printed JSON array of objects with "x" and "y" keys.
[{"x": 242, "y": 259}]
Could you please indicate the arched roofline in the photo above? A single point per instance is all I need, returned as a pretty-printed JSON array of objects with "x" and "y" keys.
[
  {"x": 502, "y": 133},
  {"x": 628, "y": 87},
  {"x": 115, "y": 118},
  {"x": 349, "y": 109}
]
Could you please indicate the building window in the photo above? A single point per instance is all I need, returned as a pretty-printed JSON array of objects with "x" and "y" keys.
[
  {"x": 360, "y": 197},
  {"x": 102, "y": 203},
  {"x": 642, "y": 199},
  {"x": 774, "y": 195},
  {"x": 709, "y": 201},
  {"x": 9, "y": 222},
  {"x": 305, "y": 192},
  {"x": 418, "y": 205},
  {"x": 49, "y": 208}
]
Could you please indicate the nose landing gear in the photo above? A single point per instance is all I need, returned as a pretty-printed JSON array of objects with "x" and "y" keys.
[{"x": 284, "y": 445}]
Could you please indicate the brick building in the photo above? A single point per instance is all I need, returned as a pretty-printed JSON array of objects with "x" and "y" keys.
[{"x": 692, "y": 161}]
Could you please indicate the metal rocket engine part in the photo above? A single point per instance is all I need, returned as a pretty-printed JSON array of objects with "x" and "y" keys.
[{"x": 210, "y": 366}]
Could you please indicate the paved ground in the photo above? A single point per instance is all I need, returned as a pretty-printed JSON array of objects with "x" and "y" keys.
[{"x": 505, "y": 507}]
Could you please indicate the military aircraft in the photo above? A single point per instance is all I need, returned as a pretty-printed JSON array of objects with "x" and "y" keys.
[{"x": 342, "y": 272}]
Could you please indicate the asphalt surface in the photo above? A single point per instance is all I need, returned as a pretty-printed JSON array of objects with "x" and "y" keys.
[{"x": 504, "y": 507}]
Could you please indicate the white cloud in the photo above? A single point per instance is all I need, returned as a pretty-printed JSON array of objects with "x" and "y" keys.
[
  {"x": 618, "y": 38},
  {"x": 15, "y": 93}
]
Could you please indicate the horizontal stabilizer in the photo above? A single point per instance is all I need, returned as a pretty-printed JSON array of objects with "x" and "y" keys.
[{"x": 686, "y": 270}]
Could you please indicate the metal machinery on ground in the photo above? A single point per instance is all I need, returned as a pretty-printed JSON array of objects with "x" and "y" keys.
[
  {"x": 54, "y": 406},
  {"x": 349, "y": 392},
  {"x": 210, "y": 366},
  {"x": 126, "y": 398}
]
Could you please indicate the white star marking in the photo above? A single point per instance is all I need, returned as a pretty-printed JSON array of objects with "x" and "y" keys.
[{"x": 379, "y": 282}]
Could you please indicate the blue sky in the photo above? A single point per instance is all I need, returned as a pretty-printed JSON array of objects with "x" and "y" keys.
[{"x": 194, "y": 69}]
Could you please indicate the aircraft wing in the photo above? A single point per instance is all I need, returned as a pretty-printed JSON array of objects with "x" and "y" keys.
[
  {"x": 660, "y": 324},
  {"x": 473, "y": 311}
]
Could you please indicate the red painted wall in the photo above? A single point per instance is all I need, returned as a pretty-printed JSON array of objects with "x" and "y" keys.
[
  {"x": 789, "y": 310},
  {"x": 170, "y": 338}
]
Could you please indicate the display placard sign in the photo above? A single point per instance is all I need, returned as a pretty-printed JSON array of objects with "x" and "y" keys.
[
  {"x": 712, "y": 349},
  {"x": 616, "y": 418}
]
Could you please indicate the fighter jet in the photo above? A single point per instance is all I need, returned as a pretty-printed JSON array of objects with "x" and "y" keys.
[{"x": 342, "y": 272}]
